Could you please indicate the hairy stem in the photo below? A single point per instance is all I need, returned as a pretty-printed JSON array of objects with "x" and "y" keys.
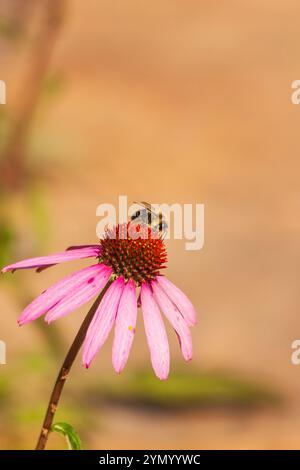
[{"x": 64, "y": 372}]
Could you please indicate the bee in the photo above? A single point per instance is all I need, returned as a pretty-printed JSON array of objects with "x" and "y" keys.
[{"x": 145, "y": 215}]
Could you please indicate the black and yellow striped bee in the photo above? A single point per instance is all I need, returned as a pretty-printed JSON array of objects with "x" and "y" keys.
[{"x": 146, "y": 215}]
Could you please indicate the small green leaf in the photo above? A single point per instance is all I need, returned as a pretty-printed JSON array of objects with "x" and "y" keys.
[{"x": 73, "y": 440}]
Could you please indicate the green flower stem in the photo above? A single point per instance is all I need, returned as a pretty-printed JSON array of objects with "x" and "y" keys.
[{"x": 65, "y": 369}]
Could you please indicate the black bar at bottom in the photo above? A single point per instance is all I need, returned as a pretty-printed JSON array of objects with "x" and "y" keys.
[{"x": 135, "y": 458}]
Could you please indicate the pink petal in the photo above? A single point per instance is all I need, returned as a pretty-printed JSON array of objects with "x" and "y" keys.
[
  {"x": 58, "y": 291},
  {"x": 176, "y": 319},
  {"x": 77, "y": 247},
  {"x": 80, "y": 295},
  {"x": 70, "y": 255},
  {"x": 103, "y": 321},
  {"x": 156, "y": 334},
  {"x": 179, "y": 299},
  {"x": 80, "y": 247},
  {"x": 125, "y": 327}
]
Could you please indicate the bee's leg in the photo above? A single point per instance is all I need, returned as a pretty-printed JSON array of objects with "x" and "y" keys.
[
  {"x": 135, "y": 215},
  {"x": 160, "y": 225}
]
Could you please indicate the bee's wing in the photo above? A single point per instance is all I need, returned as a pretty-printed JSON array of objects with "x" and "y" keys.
[{"x": 147, "y": 206}]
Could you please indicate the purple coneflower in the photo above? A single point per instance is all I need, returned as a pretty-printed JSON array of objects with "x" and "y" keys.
[{"x": 127, "y": 264}]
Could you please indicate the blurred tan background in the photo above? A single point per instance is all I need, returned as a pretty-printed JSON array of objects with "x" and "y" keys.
[{"x": 167, "y": 101}]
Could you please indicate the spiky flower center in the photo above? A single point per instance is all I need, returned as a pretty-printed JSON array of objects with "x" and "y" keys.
[{"x": 137, "y": 254}]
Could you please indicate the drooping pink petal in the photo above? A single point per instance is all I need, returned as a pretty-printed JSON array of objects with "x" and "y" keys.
[
  {"x": 179, "y": 299},
  {"x": 176, "y": 319},
  {"x": 156, "y": 334},
  {"x": 124, "y": 327},
  {"x": 75, "y": 247},
  {"x": 43, "y": 261},
  {"x": 57, "y": 292},
  {"x": 80, "y": 295},
  {"x": 103, "y": 321},
  {"x": 80, "y": 247}
]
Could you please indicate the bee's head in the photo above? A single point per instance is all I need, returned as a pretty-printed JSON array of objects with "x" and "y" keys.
[{"x": 142, "y": 215}]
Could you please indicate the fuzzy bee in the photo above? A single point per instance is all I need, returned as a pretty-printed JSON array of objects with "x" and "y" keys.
[{"x": 145, "y": 215}]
